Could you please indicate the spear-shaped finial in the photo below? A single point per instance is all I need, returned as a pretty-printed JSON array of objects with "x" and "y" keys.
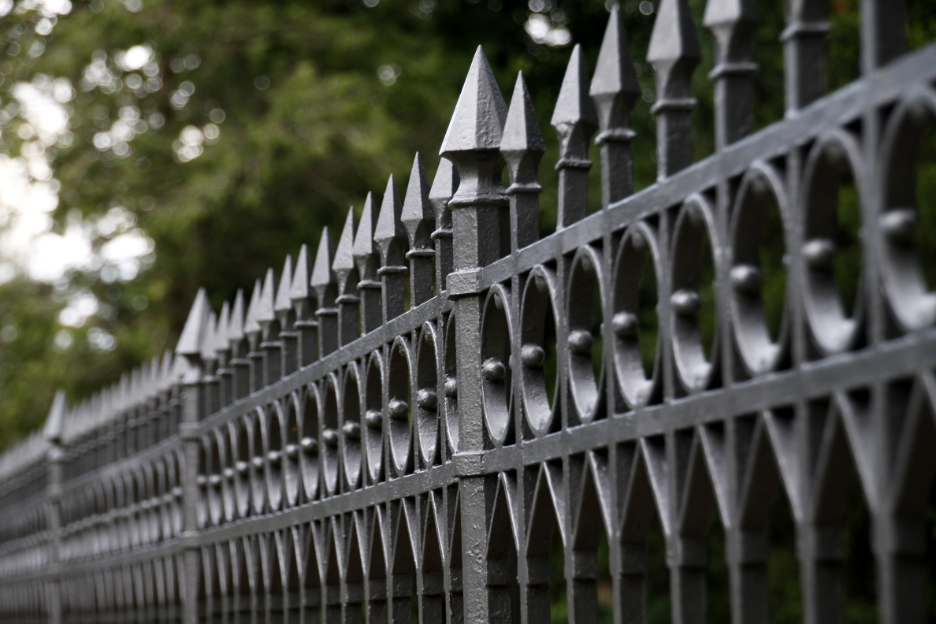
[
  {"x": 235, "y": 330},
  {"x": 443, "y": 189},
  {"x": 300, "y": 293},
  {"x": 346, "y": 272},
  {"x": 55, "y": 421},
  {"x": 522, "y": 147},
  {"x": 732, "y": 23},
  {"x": 614, "y": 90},
  {"x": 208, "y": 354},
  {"x": 575, "y": 122},
  {"x": 391, "y": 239},
  {"x": 472, "y": 143},
  {"x": 282, "y": 304},
  {"x": 252, "y": 327},
  {"x": 221, "y": 344},
  {"x": 419, "y": 219},
  {"x": 674, "y": 54},
  {"x": 190, "y": 342},
  {"x": 325, "y": 284},
  {"x": 367, "y": 257}
]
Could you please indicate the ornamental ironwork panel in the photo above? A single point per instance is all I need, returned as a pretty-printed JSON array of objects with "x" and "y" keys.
[{"x": 408, "y": 421}]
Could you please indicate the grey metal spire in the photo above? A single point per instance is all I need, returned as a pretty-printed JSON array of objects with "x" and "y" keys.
[
  {"x": 575, "y": 122},
  {"x": 522, "y": 147},
  {"x": 55, "y": 421},
  {"x": 674, "y": 54},
  {"x": 443, "y": 188},
  {"x": 190, "y": 342},
  {"x": 299, "y": 290},
  {"x": 208, "y": 353},
  {"x": 343, "y": 262},
  {"x": 419, "y": 218},
  {"x": 325, "y": 284},
  {"x": 472, "y": 143},
  {"x": 367, "y": 257},
  {"x": 390, "y": 236},
  {"x": 266, "y": 312},
  {"x": 732, "y": 23},
  {"x": 346, "y": 270},
  {"x": 252, "y": 327},
  {"x": 282, "y": 304},
  {"x": 235, "y": 330},
  {"x": 221, "y": 343},
  {"x": 614, "y": 90}
]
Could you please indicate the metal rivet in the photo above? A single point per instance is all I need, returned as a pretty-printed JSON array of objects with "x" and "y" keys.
[
  {"x": 201, "y": 480},
  {"x": 330, "y": 438},
  {"x": 308, "y": 445},
  {"x": 229, "y": 473},
  {"x": 451, "y": 387},
  {"x": 292, "y": 451},
  {"x": 274, "y": 457},
  {"x": 746, "y": 279},
  {"x": 257, "y": 463},
  {"x": 351, "y": 430},
  {"x": 899, "y": 224},
  {"x": 426, "y": 398},
  {"x": 399, "y": 410},
  {"x": 214, "y": 480},
  {"x": 531, "y": 355},
  {"x": 580, "y": 342},
  {"x": 685, "y": 302},
  {"x": 373, "y": 419},
  {"x": 242, "y": 467},
  {"x": 624, "y": 325},
  {"x": 493, "y": 370},
  {"x": 819, "y": 253}
]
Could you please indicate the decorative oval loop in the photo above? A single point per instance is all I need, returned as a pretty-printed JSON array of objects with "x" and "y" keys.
[
  {"x": 694, "y": 227},
  {"x": 761, "y": 189},
  {"x": 273, "y": 452},
  {"x": 292, "y": 450},
  {"x": 374, "y": 423},
  {"x": 833, "y": 157},
  {"x": 496, "y": 373},
  {"x": 399, "y": 412},
  {"x": 538, "y": 383},
  {"x": 427, "y": 398},
  {"x": 584, "y": 308},
  {"x": 328, "y": 448},
  {"x": 637, "y": 385},
  {"x": 240, "y": 442},
  {"x": 351, "y": 451},
  {"x": 309, "y": 441},
  {"x": 256, "y": 435},
  {"x": 912, "y": 302},
  {"x": 450, "y": 386}
]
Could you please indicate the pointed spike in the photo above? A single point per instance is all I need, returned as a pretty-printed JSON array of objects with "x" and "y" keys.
[
  {"x": 168, "y": 364},
  {"x": 190, "y": 341},
  {"x": 729, "y": 13},
  {"x": 265, "y": 310},
  {"x": 418, "y": 215},
  {"x": 235, "y": 330},
  {"x": 221, "y": 342},
  {"x": 282, "y": 302},
  {"x": 389, "y": 224},
  {"x": 363, "y": 249},
  {"x": 55, "y": 421},
  {"x": 443, "y": 189},
  {"x": 478, "y": 120},
  {"x": 323, "y": 276},
  {"x": 211, "y": 330},
  {"x": 251, "y": 324},
  {"x": 299, "y": 287},
  {"x": 674, "y": 40},
  {"x": 614, "y": 88},
  {"x": 343, "y": 262},
  {"x": 574, "y": 106},
  {"x": 522, "y": 145}
]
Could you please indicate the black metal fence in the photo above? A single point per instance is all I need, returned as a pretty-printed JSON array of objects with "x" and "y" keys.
[{"x": 396, "y": 427}]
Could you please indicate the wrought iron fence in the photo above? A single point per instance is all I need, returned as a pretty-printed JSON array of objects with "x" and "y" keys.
[{"x": 396, "y": 427}]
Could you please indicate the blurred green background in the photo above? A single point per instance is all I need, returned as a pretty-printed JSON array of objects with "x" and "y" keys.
[{"x": 211, "y": 138}]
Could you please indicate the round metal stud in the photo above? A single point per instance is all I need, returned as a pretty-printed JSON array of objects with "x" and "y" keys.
[
  {"x": 746, "y": 279},
  {"x": 899, "y": 224},
  {"x": 686, "y": 302},
  {"x": 532, "y": 356},
  {"x": 493, "y": 370},
  {"x": 426, "y": 398},
  {"x": 398, "y": 409},
  {"x": 351, "y": 430},
  {"x": 373, "y": 419},
  {"x": 330, "y": 438},
  {"x": 624, "y": 325},
  {"x": 451, "y": 387},
  {"x": 819, "y": 253},
  {"x": 580, "y": 342}
]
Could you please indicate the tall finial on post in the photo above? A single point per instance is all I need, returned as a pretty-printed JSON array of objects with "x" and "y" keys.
[
  {"x": 419, "y": 219},
  {"x": 522, "y": 147},
  {"x": 732, "y": 23},
  {"x": 674, "y": 54},
  {"x": 346, "y": 272},
  {"x": 325, "y": 284},
  {"x": 190, "y": 342},
  {"x": 391, "y": 238},
  {"x": 575, "y": 122},
  {"x": 472, "y": 143},
  {"x": 443, "y": 188},
  {"x": 304, "y": 303},
  {"x": 367, "y": 259},
  {"x": 266, "y": 316},
  {"x": 283, "y": 305},
  {"x": 614, "y": 90},
  {"x": 253, "y": 330}
]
